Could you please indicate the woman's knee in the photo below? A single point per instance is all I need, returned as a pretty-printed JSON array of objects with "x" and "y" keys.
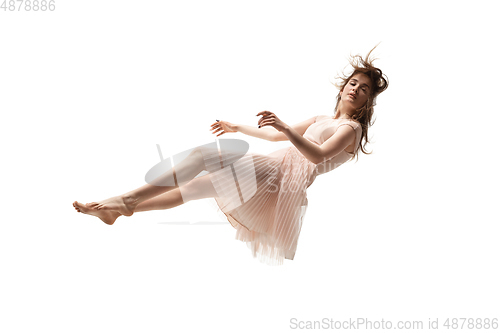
[
  {"x": 189, "y": 167},
  {"x": 207, "y": 157}
]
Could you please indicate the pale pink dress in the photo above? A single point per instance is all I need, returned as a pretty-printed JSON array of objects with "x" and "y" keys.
[{"x": 270, "y": 217}]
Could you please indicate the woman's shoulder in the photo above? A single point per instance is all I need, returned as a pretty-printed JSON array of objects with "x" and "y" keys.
[
  {"x": 354, "y": 124},
  {"x": 348, "y": 121},
  {"x": 353, "y": 121},
  {"x": 357, "y": 123}
]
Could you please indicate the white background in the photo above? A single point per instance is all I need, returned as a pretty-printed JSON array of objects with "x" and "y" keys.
[{"x": 88, "y": 90}]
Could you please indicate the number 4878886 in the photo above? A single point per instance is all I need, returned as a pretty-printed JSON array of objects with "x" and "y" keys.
[{"x": 28, "y": 5}]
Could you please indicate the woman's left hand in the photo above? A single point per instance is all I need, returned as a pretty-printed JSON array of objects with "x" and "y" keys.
[{"x": 271, "y": 119}]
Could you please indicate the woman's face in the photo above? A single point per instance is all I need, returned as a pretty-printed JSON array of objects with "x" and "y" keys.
[{"x": 356, "y": 92}]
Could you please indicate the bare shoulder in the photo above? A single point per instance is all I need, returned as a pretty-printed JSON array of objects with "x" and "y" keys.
[
  {"x": 349, "y": 130},
  {"x": 348, "y": 133},
  {"x": 357, "y": 123}
]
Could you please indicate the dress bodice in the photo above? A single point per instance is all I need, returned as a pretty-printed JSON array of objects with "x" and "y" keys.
[{"x": 322, "y": 129}]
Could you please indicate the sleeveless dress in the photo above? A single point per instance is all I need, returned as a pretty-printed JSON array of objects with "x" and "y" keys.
[{"x": 264, "y": 196}]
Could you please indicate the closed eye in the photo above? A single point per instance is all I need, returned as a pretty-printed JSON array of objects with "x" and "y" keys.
[{"x": 364, "y": 87}]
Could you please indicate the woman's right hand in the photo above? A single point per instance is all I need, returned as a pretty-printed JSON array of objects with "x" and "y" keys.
[{"x": 220, "y": 127}]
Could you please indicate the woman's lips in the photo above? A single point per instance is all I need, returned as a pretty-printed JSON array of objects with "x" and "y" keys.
[{"x": 354, "y": 97}]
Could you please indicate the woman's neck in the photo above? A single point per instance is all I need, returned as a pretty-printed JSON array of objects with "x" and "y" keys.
[{"x": 343, "y": 115}]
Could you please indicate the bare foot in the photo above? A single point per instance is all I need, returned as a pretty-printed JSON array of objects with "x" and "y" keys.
[
  {"x": 123, "y": 204},
  {"x": 107, "y": 216}
]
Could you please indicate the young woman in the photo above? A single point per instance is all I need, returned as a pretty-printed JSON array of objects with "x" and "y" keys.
[{"x": 270, "y": 219}]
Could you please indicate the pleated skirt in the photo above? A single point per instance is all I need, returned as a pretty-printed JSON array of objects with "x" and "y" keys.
[{"x": 264, "y": 198}]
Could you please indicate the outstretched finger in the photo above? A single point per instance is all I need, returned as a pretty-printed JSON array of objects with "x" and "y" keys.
[{"x": 216, "y": 127}]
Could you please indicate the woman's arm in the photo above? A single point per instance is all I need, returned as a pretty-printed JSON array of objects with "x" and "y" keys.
[
  {"x": 272, "y": 134},
  {"x": 299, "y": 128},
  {"x": 313, "y": 152},
  {"x": 342, "y": 138},
  {"x": 268, "y": 133},
  {"x": 221, "y": 127},
  {"x": 261, "y": 133}
]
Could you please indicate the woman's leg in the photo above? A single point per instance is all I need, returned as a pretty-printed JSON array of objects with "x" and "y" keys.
[
  {"x": 198, "y": 188},
  {"x": 126, "y": 204}
]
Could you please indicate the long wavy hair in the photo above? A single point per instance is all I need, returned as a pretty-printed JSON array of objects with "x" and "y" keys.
[{"x": 379, "y": 83}]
